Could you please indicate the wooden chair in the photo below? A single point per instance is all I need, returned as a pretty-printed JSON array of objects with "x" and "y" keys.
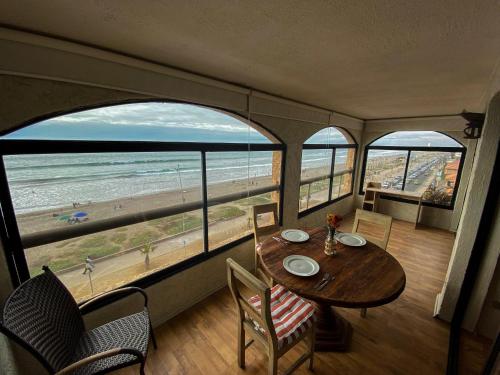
[
  {"x": 369, "y": 199},
  {"x": 263, "y": 231},
  {"x": 384, "y": 221},
  {"x": 259, "y": 315},
  {"x": 42, "y": 316}
]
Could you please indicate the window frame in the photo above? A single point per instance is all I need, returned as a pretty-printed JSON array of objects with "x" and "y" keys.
[
  {"x": 331, "y": 175},
  {"x": 410, "y": 149},
  {"x": 15, "y": 251}
]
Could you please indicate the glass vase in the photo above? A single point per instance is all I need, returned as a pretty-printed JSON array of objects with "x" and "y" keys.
[{"x": 330, "y": 242}]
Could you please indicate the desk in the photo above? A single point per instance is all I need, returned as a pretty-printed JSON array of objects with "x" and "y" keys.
[
  {"x": 399, "y": 194},
  {"x": 364, "y": 277}
]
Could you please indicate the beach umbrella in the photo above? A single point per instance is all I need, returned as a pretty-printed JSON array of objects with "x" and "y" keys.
[{"x": 80, "y": 214}]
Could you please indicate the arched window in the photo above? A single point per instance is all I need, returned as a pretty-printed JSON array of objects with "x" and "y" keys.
[
  {"x": 417, "y": 161},
  {"x": 149, "y": 121},
  {"x": 327, "y": 169},
  {"x": 133, "y": 191}
]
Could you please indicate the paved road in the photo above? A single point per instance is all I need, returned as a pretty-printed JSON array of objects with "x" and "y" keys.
[{"x": 115, "y": 267}]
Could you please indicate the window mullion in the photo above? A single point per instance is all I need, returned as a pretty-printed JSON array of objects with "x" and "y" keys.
[
  {"x": 332, "y": 167},
  {"x": 14, "y": 245},
  {"x": 406, "y": 169},
  {"x": 205, "y": 199}
]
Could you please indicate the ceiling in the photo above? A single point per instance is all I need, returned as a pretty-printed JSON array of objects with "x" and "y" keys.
[{"x": 370, "y": 59}]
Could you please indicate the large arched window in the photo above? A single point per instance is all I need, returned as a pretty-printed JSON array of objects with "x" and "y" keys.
[
  {"x": 327, "y": 169},
  {"x": 417, "y": 161},
  {"x": 132, "y": 192}
]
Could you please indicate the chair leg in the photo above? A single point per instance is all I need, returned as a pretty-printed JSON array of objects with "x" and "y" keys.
[
  {"x": 273, "y": 362},
  {"x": 312, "y": 339},
  {"x": 363, "y": 313},
  {"x": 141, "y": 370},
  {"x": 153, "y": 338},
  {"x": 241, "y": 345}
]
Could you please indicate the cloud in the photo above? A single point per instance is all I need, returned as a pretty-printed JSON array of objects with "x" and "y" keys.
[{"x": 164, "y": 115}]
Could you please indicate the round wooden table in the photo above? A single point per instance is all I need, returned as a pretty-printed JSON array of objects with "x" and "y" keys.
[{"x": 364, "y": 277}]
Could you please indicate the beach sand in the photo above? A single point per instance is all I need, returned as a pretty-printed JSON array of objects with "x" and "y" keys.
[
  {"x": 117, "y": 251},
  {"x": 49, "y": 219}
]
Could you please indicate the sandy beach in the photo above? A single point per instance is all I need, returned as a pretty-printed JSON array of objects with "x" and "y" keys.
[
  {"x": 69, "y": 253},
  {"x": 49, "y": 219},
  {"x": 117, "y": 252}
]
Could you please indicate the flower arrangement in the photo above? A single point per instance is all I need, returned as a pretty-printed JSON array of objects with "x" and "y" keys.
[{"x": 333, "y": 221}]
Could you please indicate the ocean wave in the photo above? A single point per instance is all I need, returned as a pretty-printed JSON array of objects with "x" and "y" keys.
[
  {"x": 10, "y": 167},
  {"x": 59, "y": 179}
]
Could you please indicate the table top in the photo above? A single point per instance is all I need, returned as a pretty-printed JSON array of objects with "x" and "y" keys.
[
  {"x": 365, "y": 276},
  {"x": 401, "y": 193}
]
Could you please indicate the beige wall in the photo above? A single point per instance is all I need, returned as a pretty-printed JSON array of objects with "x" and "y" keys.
[
  {"x": 42, "y": 76},
  {"x": 27, "y": 98},
  {"x": 469, "y": 222},
  {"x": 486, "y": 293}
]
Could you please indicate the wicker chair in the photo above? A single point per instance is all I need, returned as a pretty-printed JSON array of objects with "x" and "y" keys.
[{"x": 42, "y": 316}]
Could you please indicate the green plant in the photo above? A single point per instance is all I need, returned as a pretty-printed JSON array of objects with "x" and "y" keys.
[
  {"x": 118, "y": 238},
  {"x": 143, "y": 237},
  {"x": 225, "y": 212},
  {"x": 147, "y": 249}
]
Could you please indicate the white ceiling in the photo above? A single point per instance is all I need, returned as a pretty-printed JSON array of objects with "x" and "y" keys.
[{"x": 371, "y": 59}]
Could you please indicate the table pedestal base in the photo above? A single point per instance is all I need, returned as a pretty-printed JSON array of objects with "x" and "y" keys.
[{"x": 333, "y": 333}]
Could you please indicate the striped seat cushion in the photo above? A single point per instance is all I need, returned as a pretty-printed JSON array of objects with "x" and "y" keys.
[{"x": 291, "y": 314}]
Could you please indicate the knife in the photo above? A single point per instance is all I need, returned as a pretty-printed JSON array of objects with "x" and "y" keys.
[
  {"x": 326, "y": 276},
  {"x": 325, "y": 283}
]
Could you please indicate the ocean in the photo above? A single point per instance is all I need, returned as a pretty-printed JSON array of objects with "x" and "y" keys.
[{"x": 41, "y": 182}]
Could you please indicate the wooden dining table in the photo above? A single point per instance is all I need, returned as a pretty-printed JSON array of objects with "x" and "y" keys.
[{"x": 365, "y": 277}]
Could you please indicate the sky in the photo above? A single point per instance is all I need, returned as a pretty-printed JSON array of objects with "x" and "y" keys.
[
  {"x": 416, "y": 138},
  {"x": 170, "y": 122},
  {"x": 177, "y": 122}
]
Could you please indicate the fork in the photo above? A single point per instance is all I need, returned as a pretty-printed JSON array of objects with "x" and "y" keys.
[
  {"x": 281, "y": 240},
  {"x": 325, "y": 283},
  {"x": 326, "y": 276}
]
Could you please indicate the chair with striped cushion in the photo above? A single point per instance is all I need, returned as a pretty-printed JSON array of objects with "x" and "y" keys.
[
  {"x": 275, "y": 317},
  {"x": 265, "y": 223}
]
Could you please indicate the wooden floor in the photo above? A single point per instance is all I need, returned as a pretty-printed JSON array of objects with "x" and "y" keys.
[{"x": 399, "y": 338}]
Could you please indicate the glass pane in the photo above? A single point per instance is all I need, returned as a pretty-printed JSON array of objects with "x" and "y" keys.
[
  {"x": 229, "y": 221},
  {"x": 314, "y": 189},
  {"x": 328, "y": 136},
  {"x": 315, "y": 163},
  {"x": 238, "y": 173},
  {"x": 386, "y": 167},
  {"x": 416, "y": 138},
  {"x": 313, "y": 194},
  {"x": 60, "y": 190},
  {"x": 344, "y": 164},
  {"x": 341, "y": 185},
  {"x": 99, "y": 262},
  {"x": 172, "y": 122},
  {"x": 434, "y": 174}
]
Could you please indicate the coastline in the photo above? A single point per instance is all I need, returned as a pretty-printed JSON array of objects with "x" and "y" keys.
[{"x": 32, "y": 222}]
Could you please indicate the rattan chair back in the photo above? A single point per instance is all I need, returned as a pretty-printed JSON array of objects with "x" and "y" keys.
[{"x": 43, "y": 317}]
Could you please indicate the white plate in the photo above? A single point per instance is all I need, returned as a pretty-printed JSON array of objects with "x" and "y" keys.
[
  {"x": 295, "y": 235},
  {"x": 351, "y": 239},
  {"x": 301, "y": 265}
]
